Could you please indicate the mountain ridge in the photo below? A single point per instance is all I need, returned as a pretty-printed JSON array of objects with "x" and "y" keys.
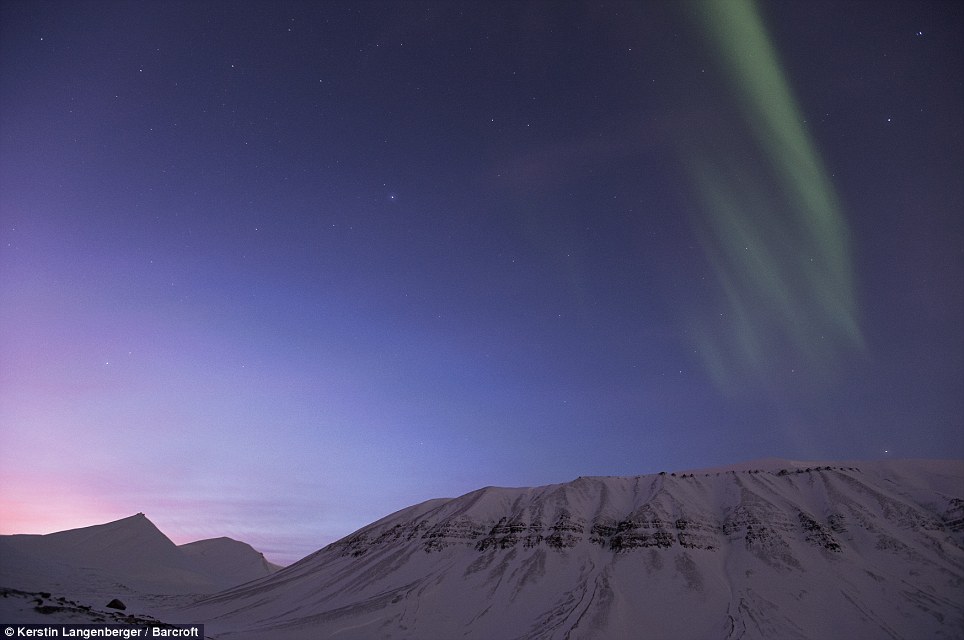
[
  {"x": 758, "y": 550},
  {"x": 130, "y": 551},
  {"x": 731, "y": 553}
]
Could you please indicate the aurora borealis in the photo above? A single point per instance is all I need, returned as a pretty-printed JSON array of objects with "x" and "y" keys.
[
  {"x": 772, "y": 227},
  {"x": 274, "y": 270}
]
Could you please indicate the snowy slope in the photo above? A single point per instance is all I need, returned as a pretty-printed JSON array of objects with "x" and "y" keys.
[
  {"x": 127, "y": 555},
  {"x": 773, "y": 549},
  {"x": 229, "y": 561}
]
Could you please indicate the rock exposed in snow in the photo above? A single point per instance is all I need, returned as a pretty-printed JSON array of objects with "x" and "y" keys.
[
  {"x": 775, "y": 549},
  {"x": 769, "y": 549}
]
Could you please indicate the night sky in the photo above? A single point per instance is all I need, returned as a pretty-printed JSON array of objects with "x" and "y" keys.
[{"x": 273, "y": 270}]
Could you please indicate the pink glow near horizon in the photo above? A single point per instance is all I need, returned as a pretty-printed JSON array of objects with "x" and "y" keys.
[{"x": 37, "y": 504}]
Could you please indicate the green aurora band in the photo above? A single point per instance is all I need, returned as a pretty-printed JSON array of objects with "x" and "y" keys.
[{"x": 771, "y": 225}]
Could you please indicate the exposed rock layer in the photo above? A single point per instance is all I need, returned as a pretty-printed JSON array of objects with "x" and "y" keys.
[{"x": 782, "y": 551}]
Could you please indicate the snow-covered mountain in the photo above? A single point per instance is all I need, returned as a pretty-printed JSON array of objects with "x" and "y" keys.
[
  {"x": 127, "y": 555},
  {"x": 774, "y": 549},
  {"x": 227, "y": 561},
  {"x": 770, "y": 549}
]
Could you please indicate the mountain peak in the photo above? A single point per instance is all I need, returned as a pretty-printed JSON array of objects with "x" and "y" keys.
[{"x": 134, "y": 552}]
